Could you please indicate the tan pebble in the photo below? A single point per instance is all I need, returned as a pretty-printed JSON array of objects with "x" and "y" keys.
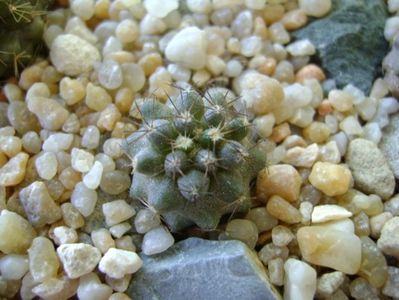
[
  {"x": 294, "y": 19},
  {"x": 101, "y": 9},
  {"x": 102, "y": 239},
  {"x": 377, "y": 223},
  {"x": 310, "y": 72},
  {"x": 124, "y": 99},
  {"x": 273, "y": 13},
  {"x": 317, "y": 132},
  {"x": 268, "y": 67},
  {"x": 280, "y": 132},
  {"x": 283, "y": 210},
  {"x": 43, "y": 261},
  {"x": 283, "y": 180},
  {"x": 122, "y": 57},
  {"x": 56, "y": 288},
  {"x": 16, "y": 233},
  {"x": 119, "y": 296},
  {"x": 340, "y": 100},
  {"x": 260, "y": 28},
  {"x": 331, "y": 179},
  {"x": 13, "y": 172},
  {"x": 97, "y": 97},
  {"x": 69, "y": 177},
  {"x": 3, "y": 159},
  {"x": 150, "y": 62},
  {"x": 329, "y": 212},
  {"x": 330, "y": 248},
  {"x": 72, "y": 90},
  {"x": 325, "y": 108},
  {"x": 30, "y": 75},
  {"x": 108, "y": 117},
  {"x": 302, "y": 157}
]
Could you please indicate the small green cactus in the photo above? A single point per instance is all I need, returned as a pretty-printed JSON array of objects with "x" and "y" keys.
[
  {"x": 192, "y": 159},
  {"x": 21, "y": 31}
]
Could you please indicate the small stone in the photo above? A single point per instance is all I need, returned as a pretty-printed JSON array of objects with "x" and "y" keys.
[
  {"x": 283, "y": 210},
  {"x": 58, "y": 142},
  {"x": 271, "y": 251},
  {"x": 330, "y": 153},
  {"x": 362, "y": 224},
  {"x": 280, "y": 132},
  {"x": 329, "y": 212},
  {"x": 93, "y": 178},
  {"x": 150, "y": 62},
  {"x": 392, "y": 205},
  {"x": 117, "y": 211},
  {"x": 83, "y": 8},
  {"x": 116, "y": 263},
  {"x": 71, "y": 216},
  {"x": 282, "y": 236},
  {"x": 127, "y": 31},
  {"x": 65, "y": 235},
  {"x": 56, "y": 288},
  {"x": 106, "y": 161},
  {"x": 13, "y": 172},
  {"x": 120, "y": 229},
  {"x": 108, "y": 117},
  {"x": 38, "y": 204},
  {"x": 133, "y": 77},
  {"x": 157, "y": 240},
  {"x": 13, "y": 266},
  {"x": 374, "y": 266},
  {"x": 97, "y": 98},
  {"x": 370, "y": 169},
  {"x": 315, "y": 8},
  {"x": 391, "y": 287},
  {"x": 81, "y": 160},
  {"x": 119, "y": 296},
  {"x": 115, "y": 182},
  {"x": 331, "y": 179},
  {"x": 102, "y": 240},
  {"x": 21, "y": 118},
  {"x": 72, "y": 124},
  {"x": 302, "y": 157},
  {"x": 276, "y": 271},
  {"x": 72, "y": 90},
  {"x": 146, "y": 219},
  {"x": 317, "y": 132},
  {"x": 90, "y": 287},
  {"x": 261, "y": 94},
  {"x": 31, "y": 142},
  {"x": 160, "y": 11},
  {"x": 310, "y": 71},
  {"x": 43, "y": 261},
  {"x": 262, "y": 219},
  {"x": 242, "y": 230},
  {"x": 78, "y": 259},
  {"x": 91, "y": 137},
  {"x": 215, "y": 65},
  {"x": 359, "y": 288},
  {"x": 72, "y": 55},
  {"x": 46, "y": 165},
  {"x": 377, "y": 223},
  {"x": 389, "y": 239},
  {"x": 84, "y": 199},
  {"x": 227, "y": 259},
  {"x": 351, "y": 126},
  {"x": 51, "y": 114},
  {"x": 330, "y": 248},
  {"x": 69, "y": 177},
  {"x": 282, "y": 180},
  {"x": 161, "y": 83},
  {"x": 294, "y": 19},
  {"x": 278, "y": 33},
  {"x": 125, "y": 243},
  {"x": 301, "y": 48},
  {"x": 189, "y": 38},
  {"x": 300, "y": 280},
  {"x": 16, "y": 232},
  {"x": 110, "y": 73},
  {"x": 251, "y": 46},
  {"x": 329, "y": 283}
]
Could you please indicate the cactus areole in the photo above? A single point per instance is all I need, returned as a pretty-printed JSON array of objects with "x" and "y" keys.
[{"x": 192, "y": 159}]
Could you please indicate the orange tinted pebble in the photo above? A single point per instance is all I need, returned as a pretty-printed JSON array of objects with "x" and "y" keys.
[
  {"x": 280, "y": 132},
  {"x": 268, "y": 67},
  {"x": 264, "y": 237},
  {"x": 310, "y": 72},
  {"x": 294, "y": 19},
  {"x": 325, "y": 108}
]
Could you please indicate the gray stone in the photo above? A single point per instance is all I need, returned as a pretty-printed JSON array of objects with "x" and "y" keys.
[
  {"x": 3, "y": 114},
  {"x": 202, "y": 270},
  {"x": 350, "y": 41},
  {"x": 389, "y": 144},
  {"x": 370, "y": 169}
]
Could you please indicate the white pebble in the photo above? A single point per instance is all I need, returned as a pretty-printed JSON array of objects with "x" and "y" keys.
[
  {"x": 391, "y": 28},
  {"x": 46, "y": 165},
  {"x": 372, "y": 132},
  {"x": 127, "y": 31},
  {"x": 107, "y": 162},
  {"x": 120, "y": 229},
  {"x": 351, "y": 126},
  {"x": 13, "y": 266},
  {"x": 315, "y": 8},
  {"x": 116, "y": 263},
  {"x": 300, "y": 280},
  {"x": 93, "y": 178},
  {"x": 233, "y": 68},
  {"x": 152, "y": 25},
  {"x": 146, "y": 219},
  {"x": 83, "y": 8},
  {"x": 255, "y": 4},
  {"x": 156, "y": 241},
  {"x": 91, "y": 137},
  {"x": 81, "y": 160},
  {"x": 160, "y": 9},
  {"x": 179, "y": 73},
  {"x": 84, "y": 199},
  {"x": 250, "y": 46},
  {"x": 301, "y": 48},
  {"x": 90, "y": 287},
  {"x": 78, "y": 259},
  {"x": 393, "y": 6},
  {"x": 110, "y": 75},
  {"x": 65, "y": 235},
  {"x": 329, "y": 212},
  {"x": 117, "y": 211},
  {"x": 102, "y": 239}
]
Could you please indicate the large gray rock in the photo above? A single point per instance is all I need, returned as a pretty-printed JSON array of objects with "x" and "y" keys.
[
  {"x": 390, "y": 143},
  {"x": 202, "y": 270},
  {"x": 370, "y": 169},
  {"x": 350, "y": 41}
]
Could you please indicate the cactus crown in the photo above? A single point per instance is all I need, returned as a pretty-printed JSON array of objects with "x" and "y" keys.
[{"x": 189, "y": 157}]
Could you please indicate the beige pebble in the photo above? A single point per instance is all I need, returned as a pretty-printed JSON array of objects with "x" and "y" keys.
[
  {"x": 273, "y": 13},
  {"x": 72, "y": 90},
  {"x": 97, "y": 98},
  {"x": 317, "y": 132},
  {"x": 13, "y": 172},
  {"x": 377, "y": 223},
  {"x": 282, "y": 180},
  {"x": 294, "y": 19},
  {"x": 280, "y": 132},
  {"x": 310, "y": 72},
  {"x": 102, "y": 239},
  {"x": 302, "y": 157},
  {"x": 329, "y": 212},
  {"x": 43, "y": 261},
  {"x": 150, "y": 62},
  {"x": 283, "y": 210},
  {"x": 78, "y": 259},
  {"x": 315, "y": 8},
  {"x": 300, "y": 280},
  {"x": 117, "y": 211},
  {"x": 330, "y": 248},
  {"x": 331, "y": 179},
  {"x": 16, "y": 233},
  {"x": 116, "y": 263}
]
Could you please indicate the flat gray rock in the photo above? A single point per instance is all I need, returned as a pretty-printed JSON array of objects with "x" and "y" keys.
[
  {"x": 350, "y": 41},
  {"x": 370, "y": 169},
  {"x": 200, "y": 269},
  {"x": 389, "y": 144}
]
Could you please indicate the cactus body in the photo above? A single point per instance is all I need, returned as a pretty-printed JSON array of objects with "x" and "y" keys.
[
  {"x": 21, "y": 31},
  {"x": 191, "y": 159}
]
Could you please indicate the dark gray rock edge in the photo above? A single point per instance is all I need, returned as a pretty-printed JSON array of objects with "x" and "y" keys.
[{"x": 203, "y": 270}]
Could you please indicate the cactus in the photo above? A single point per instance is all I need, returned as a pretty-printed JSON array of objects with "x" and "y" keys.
[
  {"x": 21, "y": 30},
  {"x": 192, "y": 159}
]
